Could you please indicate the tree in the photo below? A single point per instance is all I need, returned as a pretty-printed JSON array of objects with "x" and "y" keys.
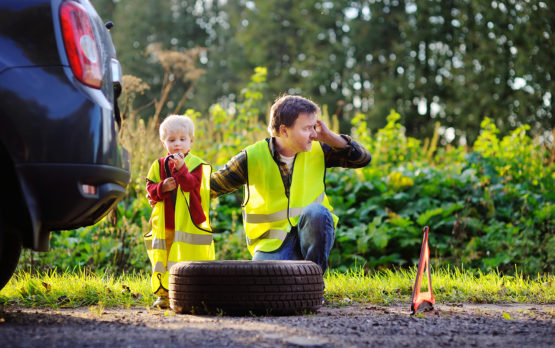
[
  {"x": 139, "y": 26},
  {"x": 452, "y": 61}
]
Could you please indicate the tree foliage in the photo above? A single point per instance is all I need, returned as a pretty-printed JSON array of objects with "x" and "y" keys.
[
  {"x": 455, "y": 61},
  {"x": 490, "y": 207}
]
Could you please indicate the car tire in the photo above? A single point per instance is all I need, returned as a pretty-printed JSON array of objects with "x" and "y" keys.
[
  {"x": 10, "y": 249},
  {"x": 245, "y": 287}
]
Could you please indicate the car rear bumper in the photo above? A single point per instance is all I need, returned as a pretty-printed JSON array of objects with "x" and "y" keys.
[{"x": 58, "y": 192}]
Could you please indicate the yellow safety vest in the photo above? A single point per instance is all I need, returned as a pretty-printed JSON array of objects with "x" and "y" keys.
[
  {"x": 268, "y": 214},
  {"x": 191, "y": 242}
]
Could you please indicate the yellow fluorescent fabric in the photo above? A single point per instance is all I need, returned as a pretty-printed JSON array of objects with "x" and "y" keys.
[
  {"x": 268, "y": 214},
  {"x": 190, "y": 242}
]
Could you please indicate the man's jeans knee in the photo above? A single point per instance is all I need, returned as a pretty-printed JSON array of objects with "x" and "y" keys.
[
  {"x": 311, "y": 240},
  {"x": 316, "y": 234}
]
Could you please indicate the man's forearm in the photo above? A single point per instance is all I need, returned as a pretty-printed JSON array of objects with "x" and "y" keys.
[
  {"x": 353, "y": 155},
  {"x": 335, "y": 140},
  {"x": 231, "y": 177}
]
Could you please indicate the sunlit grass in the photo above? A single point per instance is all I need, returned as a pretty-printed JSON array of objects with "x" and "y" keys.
[
  {"x": 384, "y": 287},
  {"x": 77, "y": 289},
  {"x": 449, "y": 285}
]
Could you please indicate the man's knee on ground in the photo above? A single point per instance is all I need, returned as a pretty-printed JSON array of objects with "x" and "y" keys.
[
  {"x": 315, "y": 221},
  {"x": 316, "y": 211}
]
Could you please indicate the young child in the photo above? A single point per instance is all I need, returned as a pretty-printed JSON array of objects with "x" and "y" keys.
[{"x": 180, "y": 185}]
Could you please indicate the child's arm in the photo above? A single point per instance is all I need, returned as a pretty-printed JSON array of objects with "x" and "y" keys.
[
  {"x": 188, "y": 181},
  {"x": 158, "y": 191}
]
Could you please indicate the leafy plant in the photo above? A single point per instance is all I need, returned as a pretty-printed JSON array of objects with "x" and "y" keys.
[{"x": 489, "y": 207}]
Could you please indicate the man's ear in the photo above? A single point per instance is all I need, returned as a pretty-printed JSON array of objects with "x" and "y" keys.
[{"x": 283, "y": 130}]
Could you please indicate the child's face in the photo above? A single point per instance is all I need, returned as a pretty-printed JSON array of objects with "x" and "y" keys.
[{"x": 177, "y": 140}]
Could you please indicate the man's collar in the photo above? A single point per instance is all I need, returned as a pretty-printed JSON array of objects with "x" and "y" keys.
[{"x": 272, "y": 145}]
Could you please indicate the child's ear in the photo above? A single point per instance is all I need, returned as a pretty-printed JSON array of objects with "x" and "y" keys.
[
  {"x": 192, "y": 139},
  {"x": 164, "y": 145}
]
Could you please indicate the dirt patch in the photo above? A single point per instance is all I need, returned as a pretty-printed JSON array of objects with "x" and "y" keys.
[{"x": 356, "y": 325}]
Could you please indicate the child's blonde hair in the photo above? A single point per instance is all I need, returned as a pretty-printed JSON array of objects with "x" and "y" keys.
[{"x": 175, "y": 121}]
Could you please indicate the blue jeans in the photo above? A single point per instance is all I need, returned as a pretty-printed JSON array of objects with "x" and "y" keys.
[{"x": 312, "y": 238}]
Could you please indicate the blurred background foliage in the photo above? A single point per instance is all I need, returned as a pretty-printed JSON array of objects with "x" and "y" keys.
[
  {"x": 452, "y": 61},
  {"x": 490, "y": 206},
  {"x": 453, "y": 98}
]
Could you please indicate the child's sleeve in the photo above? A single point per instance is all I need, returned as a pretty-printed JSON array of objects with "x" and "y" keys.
[
  {"x": 155, "y": 191},
  {"x": 154, "y": 184},
  {"x": 188, "y": 181}
]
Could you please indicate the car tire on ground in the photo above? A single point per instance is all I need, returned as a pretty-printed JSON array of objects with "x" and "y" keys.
[
  {"x": 10, "y": 248},
  {"x": 244, "y": 287}
]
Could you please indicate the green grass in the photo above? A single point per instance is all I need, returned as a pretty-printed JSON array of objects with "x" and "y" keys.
[
  {"x": 448, "y": 286},
  {"x": 77, "y": 289},
  {"x": 84, "y": 289}
]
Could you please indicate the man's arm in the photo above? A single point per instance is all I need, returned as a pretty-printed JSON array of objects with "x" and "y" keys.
[
  {"x": 341, "y": 150},
  {"x": 352, "y": 156},
  {"x": 326, "y": 136},
  {"x": 231, "y": 177}
]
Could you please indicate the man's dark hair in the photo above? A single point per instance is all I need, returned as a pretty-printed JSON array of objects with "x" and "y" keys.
[{"x": 286, "y": 109}]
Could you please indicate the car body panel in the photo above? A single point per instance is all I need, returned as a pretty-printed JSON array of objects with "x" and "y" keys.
[{"x": 56, "y": 134}]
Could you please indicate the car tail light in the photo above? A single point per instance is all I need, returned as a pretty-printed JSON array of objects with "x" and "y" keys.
[
  {"x": 80, "y": 43},
  {"x": 88, "y": 189}
]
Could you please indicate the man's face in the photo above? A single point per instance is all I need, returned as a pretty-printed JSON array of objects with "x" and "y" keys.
[
  {"x": 177, "y": 140},
  {"x": 299, "y": 137}
]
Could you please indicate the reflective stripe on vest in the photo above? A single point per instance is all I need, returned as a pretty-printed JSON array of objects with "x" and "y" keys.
[
  {"x": 180, "y": 236},
  {"x": 191, "y": 242},
  {"x": 268, "y": 214},
  {"x": 278, "y": 215}
]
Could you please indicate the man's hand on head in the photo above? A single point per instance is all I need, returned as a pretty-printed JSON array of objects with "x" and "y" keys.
[{"x": 325, "y": 135}]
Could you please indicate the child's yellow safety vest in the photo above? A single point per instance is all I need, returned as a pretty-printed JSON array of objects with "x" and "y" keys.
[{"x": 191, "y": 242}]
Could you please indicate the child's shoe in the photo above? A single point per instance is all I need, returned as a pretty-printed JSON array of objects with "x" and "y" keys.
[{"x": 162, "y": 302}]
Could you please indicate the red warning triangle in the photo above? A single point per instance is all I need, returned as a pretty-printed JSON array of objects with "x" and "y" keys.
[{"x": 423, "y": 264}]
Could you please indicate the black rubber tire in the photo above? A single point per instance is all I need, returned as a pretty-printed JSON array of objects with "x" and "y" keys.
[
  {"x": 10, "y": 249},
  {"x": 244, "y": 287}
]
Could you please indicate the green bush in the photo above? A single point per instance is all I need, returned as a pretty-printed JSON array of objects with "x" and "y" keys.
[{"x": 491, "y": 206}]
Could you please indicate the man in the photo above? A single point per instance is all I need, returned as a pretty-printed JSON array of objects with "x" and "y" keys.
[{"x": 286, "y": 213}]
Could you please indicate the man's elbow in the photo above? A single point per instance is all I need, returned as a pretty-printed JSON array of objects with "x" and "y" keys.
[
  {"x": 367, "y": 160},
  {"x": 363, "y": 162}
]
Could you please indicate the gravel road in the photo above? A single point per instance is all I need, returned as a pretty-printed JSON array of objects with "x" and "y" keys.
[{"x": 356, "y": 325}]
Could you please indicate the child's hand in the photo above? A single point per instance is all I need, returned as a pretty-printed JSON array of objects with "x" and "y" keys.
[
  {"x": 169, "y": 184},
  {"x": 151, "y": 201},
  {"x": 177, "y": 159}
]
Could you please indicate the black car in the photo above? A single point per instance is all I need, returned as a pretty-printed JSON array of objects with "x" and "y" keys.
[{"x": 62, "y": 164}]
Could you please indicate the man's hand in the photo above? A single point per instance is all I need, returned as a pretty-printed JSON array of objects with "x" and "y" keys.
[
  {"x": 327, "y": 136},
  {"x": 169, "y": 184}
]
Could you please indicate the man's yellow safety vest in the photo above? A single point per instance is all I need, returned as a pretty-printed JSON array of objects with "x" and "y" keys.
[
  {"x": 191, "y": 242},
  {"x": 268, "y": 215}
]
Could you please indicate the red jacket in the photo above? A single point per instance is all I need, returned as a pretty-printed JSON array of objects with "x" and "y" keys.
[{"x": 188, "y": 182}]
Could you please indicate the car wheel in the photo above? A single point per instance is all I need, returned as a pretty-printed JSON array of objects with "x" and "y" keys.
[
  {"x": 10, "y": 248},
  {"x": 243, "y": 287}
]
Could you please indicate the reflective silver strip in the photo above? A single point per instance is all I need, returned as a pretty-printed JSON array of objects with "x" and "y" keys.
[
  {"x": 191, "y": 238},
  {"x": 159, "y": 267},
  {"x": 278, "y": 215},
  {"x": 170, "y": 264},
  {"x": 159, "y": 244},
  {"x": 117, "y": 75},
  {"x": 261, "y": 218},
  {"x": 270, "y": 234}
]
